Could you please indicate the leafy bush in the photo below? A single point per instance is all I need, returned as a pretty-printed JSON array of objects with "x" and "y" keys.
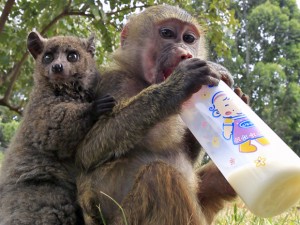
[{"x": 7, "y": 131}]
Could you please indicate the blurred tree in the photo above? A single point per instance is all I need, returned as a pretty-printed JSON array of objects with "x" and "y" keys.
[
  {"x": 57, "y": 17},
  {"x": 80, "y": 18},
  {"x": 217, "y": 18},
  {"x": 265, "y": 59},
  {"x": 51, "y": 18},
  {"x": 257, "y": 40}
]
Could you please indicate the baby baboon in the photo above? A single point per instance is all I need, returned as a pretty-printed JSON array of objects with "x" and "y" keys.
[
  {"x": 37, "y": 182},
  {"x": 140, "y": 156}
]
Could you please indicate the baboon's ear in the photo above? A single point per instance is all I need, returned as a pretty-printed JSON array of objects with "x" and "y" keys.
[
  {"x": 124, "y": 35},
  {"x": 91, "y": 44},
  {"x": 35, "y": 44}
]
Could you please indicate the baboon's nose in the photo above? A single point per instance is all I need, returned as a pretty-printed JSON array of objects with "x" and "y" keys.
[{"x": 57, "y": 68}]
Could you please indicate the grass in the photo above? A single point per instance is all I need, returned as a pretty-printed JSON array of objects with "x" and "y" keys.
[
  {"x": 119, "y": 206},
  {"x": 237, "y": 214}
]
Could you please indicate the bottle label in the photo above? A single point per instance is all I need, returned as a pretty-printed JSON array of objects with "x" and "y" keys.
[{"x": 237, "y": 127}]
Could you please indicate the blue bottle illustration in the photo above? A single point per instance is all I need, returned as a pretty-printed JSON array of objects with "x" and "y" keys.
[{"x": 236, "y": 126}]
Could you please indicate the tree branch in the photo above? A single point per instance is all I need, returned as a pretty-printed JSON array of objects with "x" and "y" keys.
[
  {"x": 2, "y": 79},
  {"x": 64, "y": 14},
  {"x": 127, "y": 9},
  {"x": 15, "y": 72},
  {"x": 7, "y": 8},
  {"x": 17, "y": 109}
]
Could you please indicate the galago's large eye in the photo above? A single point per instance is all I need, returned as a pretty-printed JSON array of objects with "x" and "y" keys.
[
  {"x": 167, "y": 33},
  {"x": 189, "y": 38},
  {"x": 73, "y": 56},
  {"x": 48, "y": 57}
]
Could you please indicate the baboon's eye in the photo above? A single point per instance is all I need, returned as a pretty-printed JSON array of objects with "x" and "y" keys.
[
  {"x": 167, "y": 33},
  {"x": 189, "y": 38},
  {"x": 73, "y": 56},
  {"x": 48, "y": 57}
]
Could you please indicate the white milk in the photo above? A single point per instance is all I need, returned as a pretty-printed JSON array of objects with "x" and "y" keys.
[
  {"x": 277, "y": 187},
  {"x": 261, "y": 168}
]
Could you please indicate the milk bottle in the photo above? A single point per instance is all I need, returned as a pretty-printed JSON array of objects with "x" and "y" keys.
[{"x": 261, "y": 168}]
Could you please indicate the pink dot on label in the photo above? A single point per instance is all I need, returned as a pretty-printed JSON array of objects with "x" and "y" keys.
[{"x": 204, "y": 124}]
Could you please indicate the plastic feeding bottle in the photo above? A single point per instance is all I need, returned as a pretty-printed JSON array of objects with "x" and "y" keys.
[{"x": 260, "y": 167}]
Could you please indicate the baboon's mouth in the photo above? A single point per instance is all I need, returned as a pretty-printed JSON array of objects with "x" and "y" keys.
[
  {"x": 170, "y": 68},
  {"x": 167, "y": 72}
]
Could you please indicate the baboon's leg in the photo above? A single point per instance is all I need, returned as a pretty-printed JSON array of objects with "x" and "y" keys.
[
  {"x": 160, "y": 195},
  {"x": 214, "y": 190},
  {"x": 91, "y": 213}
]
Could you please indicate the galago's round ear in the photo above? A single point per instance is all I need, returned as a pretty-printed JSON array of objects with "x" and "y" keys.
[
  {"x": 124, "y": 35},
  {"x": 35, "y": 44},
  {"x": 91, "y": 47}
]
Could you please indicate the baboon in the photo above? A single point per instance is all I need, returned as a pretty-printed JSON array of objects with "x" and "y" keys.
[
  {"x": 37, "y": 182},
  {"x": 143, "y": 156}
]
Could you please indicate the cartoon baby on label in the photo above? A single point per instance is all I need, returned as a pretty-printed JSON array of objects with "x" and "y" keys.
[{"x": 236, "y": 125}]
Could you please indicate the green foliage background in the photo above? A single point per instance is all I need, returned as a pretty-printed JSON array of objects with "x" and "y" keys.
[{"x": 258, "y": 41}]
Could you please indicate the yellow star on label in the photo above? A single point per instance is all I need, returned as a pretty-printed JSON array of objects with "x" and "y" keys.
[
  {"x": 260, "y": 161},
  {"x": 204, "y": 95},
  {"x": 216, "y": 142}
]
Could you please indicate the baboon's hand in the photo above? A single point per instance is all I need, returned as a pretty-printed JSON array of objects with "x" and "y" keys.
[
  {"x": 225, "y": 74},
  {"x": 102, "y": 105},
  {"x": 227, "y": 78},
  {"x": 243, "y": 96},
  {"x": 191, "y": 74}
]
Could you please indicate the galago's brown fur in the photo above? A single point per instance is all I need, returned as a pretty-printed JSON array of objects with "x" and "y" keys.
[{"x": 37, "y": 181}]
